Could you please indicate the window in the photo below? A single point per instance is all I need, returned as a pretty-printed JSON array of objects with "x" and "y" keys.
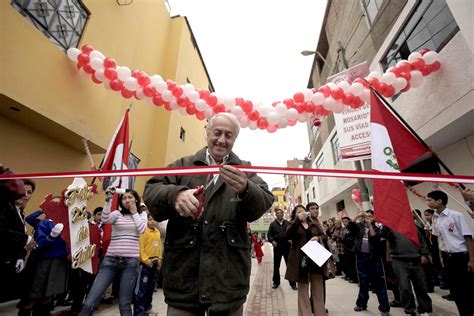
[
  {"x": 431, "y": 26},
  {"x": 371, "y": 8},
  {"x": 62, "y": 21},
  {"x": 314, "y": 193},
  {"x": 340, "y": 205},
  {"x": 336, "y": 150},
  {"x": 182, "y": 134},
  {"x": 319, "y": 164}
]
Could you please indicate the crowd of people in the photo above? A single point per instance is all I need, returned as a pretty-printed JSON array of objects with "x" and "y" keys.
[{"x": 205, "y": 260}]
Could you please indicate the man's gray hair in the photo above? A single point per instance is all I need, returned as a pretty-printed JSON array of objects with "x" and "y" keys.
[{"x": 228, "y": 116}]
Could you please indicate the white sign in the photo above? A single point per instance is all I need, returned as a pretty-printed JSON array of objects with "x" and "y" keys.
[
  {"x": 75, "y": 198},
  {"x": 316, "y": 252},
  {"x": 353, "y": 125}
]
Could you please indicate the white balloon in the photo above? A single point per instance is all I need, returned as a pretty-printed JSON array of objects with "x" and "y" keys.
[
  {"x": 430, "y": 57},
  {"x": 291, "y": 114},
  {"x": 155, "y": 79},
  {"x": 131, "y": 84},
  {"x": 160, "y": 86},
  {"x": 208, "y": 113},
  {"x": 273, "y": 117},
  {"x": 106, "y": 84},
  {"x": 413, "y": 56},
  {"x": 365, "y": 96},
  {"x": 201, "y": 105},
  {"x": 331, "y": 85},
  {"x": 338, "y": 108},
  {"x": 329, "y": 103},
  {"x": 166, "y": 95},
  {"x": 193, "y": 96},
  {"x": 253, "y": 125},
  {"x": 123, "y": 73},
  {"x": 283, "y": 122},
  {"x": 344, "y": 85},
  {"x": 97, "y": 63},
  {"x": 99, "y": 74},
  {"x": 237, "y": 111},
  {"x": 73, "y": 52},
  {"x": 416, "y": 75},
  {"x": 96, "y": 54},
  {"x": 281, "y": 109},
  {"x": 173, "y": 104},
  {"x": 188, "y": 87},
  {"x": 356, "y": 88},
  {"x": 307, "y": 93},
  {"x": 375, "y": 74},
  {"x": 318, "y": 98},
  {"x": 140, "y": 95},
  {"x": 302, "y": 117},
  {"x": 264, "y": 110},
  {"x": 149, "y": 101},
  {"x": 400, "y": 83},
  {"x": 244, "y": 121},
  {"x": 229, "y": 103},
  {"x": 389, "y": 78}
]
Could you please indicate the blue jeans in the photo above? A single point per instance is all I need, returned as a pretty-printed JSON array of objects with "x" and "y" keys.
[
  {"x": 146, "y": 286},
  {"x": 370, "y": 270},
  {"x": 127, "y": 268}
]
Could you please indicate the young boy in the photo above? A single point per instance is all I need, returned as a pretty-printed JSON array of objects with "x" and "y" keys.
[{"x": 150, "y": 261}]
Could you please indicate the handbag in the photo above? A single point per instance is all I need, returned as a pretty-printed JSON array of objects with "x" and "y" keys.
[
  {"x": 329, "y": 269},
  {"x": 308, "y": 265}
]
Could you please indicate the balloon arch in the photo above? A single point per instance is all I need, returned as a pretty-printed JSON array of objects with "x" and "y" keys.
[{"x": 307, "y": 105}]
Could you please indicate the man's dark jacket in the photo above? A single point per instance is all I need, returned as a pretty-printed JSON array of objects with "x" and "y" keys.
[
  {"x": 277, "y": 233},
  {"x": 207, "y": 262},
  {"x": 357, "y": 230}
]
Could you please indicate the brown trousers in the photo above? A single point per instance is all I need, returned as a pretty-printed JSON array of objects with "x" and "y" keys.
[{"x": 317, "y": 292}]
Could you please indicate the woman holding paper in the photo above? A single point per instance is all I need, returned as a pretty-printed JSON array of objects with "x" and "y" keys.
[{"x": 300, "y": 268}]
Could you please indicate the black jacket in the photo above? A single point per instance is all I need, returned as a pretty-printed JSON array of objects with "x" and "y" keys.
[
  {"x": 277, "y": 233},
  {"x": 375, "y": 242}
]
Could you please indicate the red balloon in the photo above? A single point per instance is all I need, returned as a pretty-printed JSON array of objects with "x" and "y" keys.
[
  {"x": 435, "y": 66},
  {"x": 183, "y": 101},
  {"x": 149, "y": 90},
  {"x": 289, "y": 103},
  {"x": 396, "y": 71},
  {"x": 219, "y": 108},
  {"x": 362, "y": 82},
  {"x": 110, "y": 73},
  {"x": 87, "y": 48},
  {"x": 204, "y": 94},
  {"x": 348, "y": 98},
  {"x": 389, "y": 91},
  {"x": 316, "y": 121},
  {"x": 135, "y": 73},
  {"x": 418, "y": 63},
  {"x": 171, "y": 84},
  {"x": 143, "y": 80},
  {"x": 357, "y": 103},
  {"x": 406, "y": 75},
  {"x": 298, "y": 97},
  {"x": 135, "y": 94},
  {"x": 373, "y": 82},
  {"x": 79, "y": 65},
  {"x": 247, "y": 106},
  {"x": 262, "y": 123},
  {"x": 212, "y": 100},
  {"x": 116, "y": 85},
  {"x": 110, "y": 63},
  {"x": 83, "y": 58},
  {"x": 127, "y": 94},
  {"x": 309, "y": 107},
  {"x": 191, "y": 109},
  {"x": 94, "y": 78},
  {"x": 337, "y": 93},
  {"x": 407, "y": 87},
  {"x": 200, "y": 115},
  {"x": 177, "y": 91},
  {"x": 272, "y": 128},
  {"x": 423, "y": 51},
  {"x": 157, "y": 100},
  {"x": 299, "y": 108},
  {"x": 240, "y": 102},
  {"x": 253, "y": 116},
  {"x": 87, "y": 68},
  {"x": 292, "y": 122},
  {"x": 425, "y": 70},
  {"x": 326, "y": 91},
  {"x": 405, "y": 66},
  {"x": 167, "y": 106},
  {"x": 382, "y": 87}
]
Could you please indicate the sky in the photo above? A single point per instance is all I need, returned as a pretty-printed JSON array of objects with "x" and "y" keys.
[{"x": 252, "y": 49}]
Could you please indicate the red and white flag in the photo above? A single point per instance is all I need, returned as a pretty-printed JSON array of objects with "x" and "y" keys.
[
  {"x": 394, "y": 148},
  {"x": 116, "y": 158}
]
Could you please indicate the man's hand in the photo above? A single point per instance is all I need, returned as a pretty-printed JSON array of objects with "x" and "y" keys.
[
  {"x": 274, "y": 243},
  {"x": 57, "y": 229},
  {"x": 470, "y": 265},
  {"x": 31, "y": 245},
  {"x": 424, "y": 260},
  {"x": 186, "y": 203},
  {"x": 236, "y": 179},
  {"x": 20, "y": 265}
]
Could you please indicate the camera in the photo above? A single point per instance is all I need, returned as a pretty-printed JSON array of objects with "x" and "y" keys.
[
  {"x": 115, "y": 190},
  {"x": 308, "y": 214}
]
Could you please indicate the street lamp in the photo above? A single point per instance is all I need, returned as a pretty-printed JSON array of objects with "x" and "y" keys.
[{"x": 313, "y": 52}]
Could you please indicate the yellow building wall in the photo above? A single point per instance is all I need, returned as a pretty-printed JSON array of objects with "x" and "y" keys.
[{"x": 39, "y": 76}]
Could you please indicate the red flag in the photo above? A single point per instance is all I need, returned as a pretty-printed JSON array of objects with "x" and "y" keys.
[
  {"x": 116, "y": 158},
  {"x": 394, "y": 148}
]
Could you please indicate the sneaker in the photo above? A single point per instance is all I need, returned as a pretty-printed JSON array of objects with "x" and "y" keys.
[{"x": 359, "y": 309}]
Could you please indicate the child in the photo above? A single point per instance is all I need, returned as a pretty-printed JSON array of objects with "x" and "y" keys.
[
  {"x": 150, "y": 261},
  {"x": 258, "y": 250}
]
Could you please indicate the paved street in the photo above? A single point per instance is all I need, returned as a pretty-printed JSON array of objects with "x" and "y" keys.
[{"x": 263, "y": 300}]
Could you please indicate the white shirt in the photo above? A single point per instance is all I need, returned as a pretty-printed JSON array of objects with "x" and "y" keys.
[
  {"x": 451, "y": 227},
  {"x": 211, "y": 162}
]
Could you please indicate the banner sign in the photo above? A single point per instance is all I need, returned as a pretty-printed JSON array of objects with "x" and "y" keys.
[{"x": 353, "y": 128}]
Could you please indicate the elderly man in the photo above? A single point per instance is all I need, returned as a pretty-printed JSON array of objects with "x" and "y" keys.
[{"x": 206, "y": 266}]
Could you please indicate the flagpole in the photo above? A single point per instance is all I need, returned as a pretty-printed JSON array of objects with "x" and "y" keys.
[{"x": 414, "y": 133}]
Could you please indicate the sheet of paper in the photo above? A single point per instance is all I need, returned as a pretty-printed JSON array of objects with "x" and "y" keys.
[{"x": 316, "y": 252}]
